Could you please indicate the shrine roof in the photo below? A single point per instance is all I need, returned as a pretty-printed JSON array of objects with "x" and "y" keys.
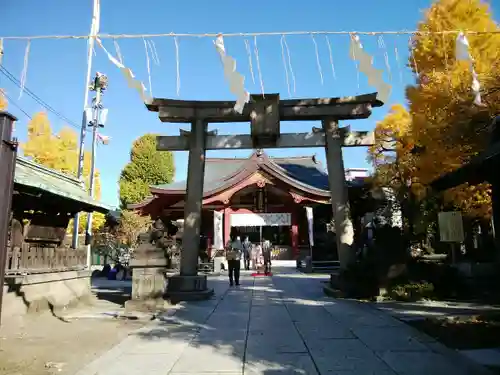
[
  {"x": 303, "y": 171},
  {"x": 32, "y": 175}
]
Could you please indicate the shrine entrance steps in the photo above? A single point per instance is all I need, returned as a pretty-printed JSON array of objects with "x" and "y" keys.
[{"x": 277, "y": 325}]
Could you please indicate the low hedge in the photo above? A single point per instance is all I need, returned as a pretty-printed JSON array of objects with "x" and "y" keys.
[{"x": 412, "y": 291}]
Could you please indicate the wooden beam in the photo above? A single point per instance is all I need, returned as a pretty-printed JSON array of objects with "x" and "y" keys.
[
  {"x": 287, "y": 113},
  {"x": 287, "y": 140},
  {"x": 371, "y": 98}
]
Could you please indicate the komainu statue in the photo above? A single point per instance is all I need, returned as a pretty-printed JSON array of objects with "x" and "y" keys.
[{"x": 175, "y": 245}]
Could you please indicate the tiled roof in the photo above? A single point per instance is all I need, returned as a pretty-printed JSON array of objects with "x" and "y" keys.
[
  {"x": 218, "y": 171},
  {"x": 304, "y": 170},
  {"x": 36, "y": 176}
]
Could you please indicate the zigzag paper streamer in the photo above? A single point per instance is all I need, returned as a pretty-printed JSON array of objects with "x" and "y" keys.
[
  {"x": 129, "y": 76},
  {"x": 375, "y": 76},
  {"x": 236, "y": 80},
  {"x": 462, "y": 53},
  {"x": 24, "y": 73}
]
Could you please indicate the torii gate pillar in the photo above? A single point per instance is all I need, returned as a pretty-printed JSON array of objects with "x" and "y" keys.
[
  {"x": 338, "y": 190},
  {"x": 188, "y": 285}
]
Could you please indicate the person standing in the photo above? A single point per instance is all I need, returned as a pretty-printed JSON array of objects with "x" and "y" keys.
[
  {"x": 266, "y": 253},
  {"x": 233, "y": 257},
  {"x": 247, "y": 248},
  {"x": 256, "y": 254}
]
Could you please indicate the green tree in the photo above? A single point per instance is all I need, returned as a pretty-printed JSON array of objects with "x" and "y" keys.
[
  {"x": 146, "y": 167},
  {"x": 60, "y": 152},
  {"x": 445, "y": 122}
]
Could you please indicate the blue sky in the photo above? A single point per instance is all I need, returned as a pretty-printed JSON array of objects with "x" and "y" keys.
[{"x": 56, "y": 69}]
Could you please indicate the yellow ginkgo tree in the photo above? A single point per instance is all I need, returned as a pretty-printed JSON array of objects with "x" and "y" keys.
[
  {"x": 445, "y": 122},
  {"x": 3, "y": 101},
  {"x": 60, "y": 152},
  {"x": 393, "y": 157}
]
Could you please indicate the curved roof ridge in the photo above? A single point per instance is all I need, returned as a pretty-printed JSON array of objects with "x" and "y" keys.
[
  {"x": 316, "y": 164},
  {"x": 284, "y": 177},
  {"x": 291, "y": 157},
  {"x": 286, "y": 174},
  {"x": 225, "y": 159}
]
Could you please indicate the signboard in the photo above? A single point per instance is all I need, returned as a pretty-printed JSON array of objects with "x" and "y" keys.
[
  {"x": 309, "y": 214},
  {"x": 218, "y": 241},
  {"x": 261, "y": 220},
  {"x": 451, "y": 227}
]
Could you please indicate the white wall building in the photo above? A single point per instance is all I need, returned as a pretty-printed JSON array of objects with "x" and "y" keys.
[{"x": 354, "y": 173}]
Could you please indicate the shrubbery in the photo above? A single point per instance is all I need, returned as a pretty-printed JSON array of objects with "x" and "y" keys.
[
  {"x": 446, "y": 279},
  {"x": 412, "y": 291},
  {"x": 428, "y": 281}
]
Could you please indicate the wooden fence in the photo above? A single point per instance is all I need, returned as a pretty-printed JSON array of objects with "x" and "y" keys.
[{"x": 35, "y": 259}]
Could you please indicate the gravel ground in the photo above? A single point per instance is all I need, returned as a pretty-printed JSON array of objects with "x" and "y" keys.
[{"x": 44, "y": 344}]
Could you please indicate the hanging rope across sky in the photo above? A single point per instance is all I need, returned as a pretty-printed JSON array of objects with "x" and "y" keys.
[{"x": 254, "y": 34}]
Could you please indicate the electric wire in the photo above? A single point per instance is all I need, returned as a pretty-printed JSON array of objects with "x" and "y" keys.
[
  {"x": 12, "y": 102},
  {"x": 36, "y": 98}
]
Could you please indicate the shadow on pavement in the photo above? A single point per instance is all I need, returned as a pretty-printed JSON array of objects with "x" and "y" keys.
[
  {"x": 277, "y": 326},
  {"x": 113, "y": 291},
  {"x": 247, "y": 329},
  {"x": 428, "y": 309}
]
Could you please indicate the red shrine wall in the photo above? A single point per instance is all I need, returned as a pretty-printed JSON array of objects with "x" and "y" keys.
[{"x": 299, "y": 236}]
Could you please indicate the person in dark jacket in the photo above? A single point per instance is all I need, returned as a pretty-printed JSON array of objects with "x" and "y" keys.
[
  {"x": 233, "y": 256},
  {"x": 247, "y": 248}
]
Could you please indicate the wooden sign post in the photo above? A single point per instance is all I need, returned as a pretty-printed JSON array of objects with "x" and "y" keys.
[
  {"x": 451, "y": 230},
  {"x": 8, "y": 152}
]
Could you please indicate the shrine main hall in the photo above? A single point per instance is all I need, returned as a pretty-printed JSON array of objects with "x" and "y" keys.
[{"x": 260, "y": 197}]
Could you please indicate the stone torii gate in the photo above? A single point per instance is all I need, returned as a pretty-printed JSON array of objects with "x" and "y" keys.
[{"x": 264, "y": 112}]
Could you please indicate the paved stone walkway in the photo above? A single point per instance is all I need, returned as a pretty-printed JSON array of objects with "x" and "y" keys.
[{"x": 277, "y": 326}]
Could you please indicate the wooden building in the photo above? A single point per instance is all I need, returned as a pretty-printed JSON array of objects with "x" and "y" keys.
[
  {"x": 40, "y": 267},
  {"x": 259, "y": 197}
]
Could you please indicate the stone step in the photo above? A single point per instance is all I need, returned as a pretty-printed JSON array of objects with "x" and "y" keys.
[{"x": 333, "y": 292}]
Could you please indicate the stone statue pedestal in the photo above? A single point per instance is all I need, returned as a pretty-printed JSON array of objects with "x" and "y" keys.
[
  {"x": 188, "y": 288},
  {"x": 148, "y": 279}
]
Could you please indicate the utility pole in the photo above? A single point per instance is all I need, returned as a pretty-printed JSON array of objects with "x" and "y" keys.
[
  {"x": 8, "y": 152},
  {"x": 94, "y": 29},
  {"x": 99, "y": 86}
]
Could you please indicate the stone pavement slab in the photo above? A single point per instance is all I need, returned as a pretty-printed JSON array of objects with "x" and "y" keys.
[
  {"x": 277, "y": 326},
  {"x": 487, "y": 357}
]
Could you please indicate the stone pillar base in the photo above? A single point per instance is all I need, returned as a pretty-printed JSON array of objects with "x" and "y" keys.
[{"x": 188, "y": 288}]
